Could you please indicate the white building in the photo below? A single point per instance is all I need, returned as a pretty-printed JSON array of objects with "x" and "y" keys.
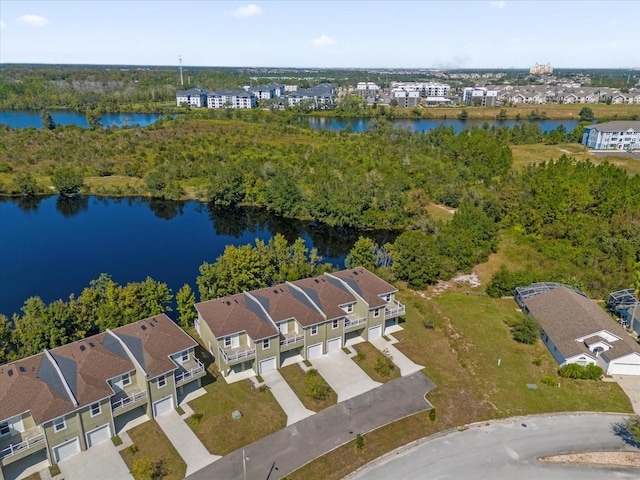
[
  {"x": 231, "y": 99},
  {"x": 367, "y": 90},
  {"x": 479, "y": 96},
  {"x": 425, "y": 89},
  {"x": 194, "y": 97},
  {"x": 406, "y": 98},
  {"x": 541, "y": 69},
  {"x": 619, "y": 135},
  {"x": 267, "y": 92}
]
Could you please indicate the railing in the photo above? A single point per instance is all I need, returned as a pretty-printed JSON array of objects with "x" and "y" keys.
[
  {"x": 189, "y": 374},
  {"x": 289, "y": 340},
  {"x": 123, "y": 402},
  {"x": 354, "y": 322},
  {"x": 232, "y": 357},
  {"x": 16, "y": 448},
  {"x": 398, "y": 310}
]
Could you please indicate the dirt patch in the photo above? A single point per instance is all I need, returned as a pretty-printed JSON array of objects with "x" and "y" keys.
[{"x": 619, "y": 459}]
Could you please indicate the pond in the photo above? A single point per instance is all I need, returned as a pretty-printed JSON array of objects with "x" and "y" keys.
[
  {"x": 25, "y": 118},
  {"x": 52, "y": 247}
]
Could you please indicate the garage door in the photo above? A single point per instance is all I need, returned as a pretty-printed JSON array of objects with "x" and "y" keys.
[
  {"x": 66, "y": 449},
  {"x": 162, "y": 406},
  {"x": 314, "y": 351},
  {"x": 98, "y": 435},
  {"x": 624, "y": 369},
  {"x": 267, "y": 365},
  {"x": 334, "y": 345},
  {"x": 375, "y": 332}
]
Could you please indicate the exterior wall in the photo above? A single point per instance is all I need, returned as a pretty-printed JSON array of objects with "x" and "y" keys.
[
  {"x": 552, "y": 348},
  {"x": 320, "y": 337},
  {"x": 157, "y": 393},
  {"x": 89, "y": 423},
  {"x": 272, "y": 351},
  {"x": 74, "y": 429},
  {"x": 374, "y": 321}
]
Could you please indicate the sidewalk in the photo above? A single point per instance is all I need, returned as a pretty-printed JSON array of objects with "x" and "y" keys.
[
  {"x": 185, "y": 442},
  {"x": 406, "y": 366},
  {"x": 285, "y": 396}
]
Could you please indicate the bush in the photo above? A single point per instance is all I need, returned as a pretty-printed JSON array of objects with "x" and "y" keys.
[
  {"x": 195, "y": 418},
  {"x": 537, "y": 362},
  {"x": 67, "y": 181},
  {"x": 359, "y": 444},
  {"x": 549, "y": 380},
  {"x": 432, "y": 414},
  {"x": 147, "y": 470},
  {"x": 526, "y": 331},
  {"x": 632, "y": 425},
  {"x": 360, "y": 357},
  {"x": 315, "y": 386},
  {"x": 132, "y": 449},
  {"x": 384, "y": 364},
  {"x": 588, "y": 372},
  {"x": 503, "y": 283}
]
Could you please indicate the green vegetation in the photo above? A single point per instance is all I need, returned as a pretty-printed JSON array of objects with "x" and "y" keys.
[
  {"x": 632, "y": 425},
  {"x": 297, "y": 379},
  {"x": 377, "y": 365},
  {"x": 316, "y": 388},
  {"x": 153, "y": 457},
  {"x": 584, "y": 372},
  {"x": 525, "y": 330}
]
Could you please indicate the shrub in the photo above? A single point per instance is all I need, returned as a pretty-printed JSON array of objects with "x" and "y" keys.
[
  {"x": 359, "y": 444},
  {"x": 384, "y": 364},
  {"x": 195, "y": 418},
  {"x": 315, "y": 386},
  {"x": 632, "y": 425},
  {"x": 432, "y": 414},
  {"x": 549, "y": 380},
  {"x": 132, "y": 449},
  {"x": 360, "y": 356},
  {"x": 526, "y": 330},
  {"x": 588, "y": 372},
  {"x": 147, "y": 470},
  {"x": 537, "y": 362}
]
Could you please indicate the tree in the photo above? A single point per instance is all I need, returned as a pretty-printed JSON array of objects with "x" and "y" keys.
[
  {"x": 586, "y": 113},
  {"x": 363, "y": 254},
  {"x": 47, "y": 121},
  {"x": 632, "y": 425},
  {"x": 463, "y": 115},
  {"x": 526, "y": 330},
  {"x": 26, "y": 184},
  {"x": 185, "y": 298},
  {"x": 93, "y": 118},
  {"x": 156, "y": 183},
  {"x": 416, "y": 259},
  {"x": 6, "y": 340},
  {"x": 67, "y": 181}
]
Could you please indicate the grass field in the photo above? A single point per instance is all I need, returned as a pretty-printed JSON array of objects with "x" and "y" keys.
[
  {"x": 295, "y": 376},
  {"x": 461, "y": 355},
  {"x": 151, "y": 442},
  {"x": 368, "y": 362},
  {"x": 440, "y": 212}
]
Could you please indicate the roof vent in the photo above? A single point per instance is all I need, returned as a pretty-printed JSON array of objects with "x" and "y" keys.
[
  {"x": 228, "y": 302},
  {"x": 10, "y": 372},
  {"x": 316, "y": 280},
  {"x": 143, "y": 327},
  {"x": 82, "y": 348},
  {"x": 236, "y": 300},
  {"x": 22, "y": 369},
  {"x": 275, "y": 291},
  {"x": 282, "y": 290},
  {"x": 92, "y": 345}
]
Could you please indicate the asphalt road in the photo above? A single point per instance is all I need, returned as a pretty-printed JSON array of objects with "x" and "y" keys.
[
  {"x": 507, "y": 450},
  {"x": 282, "y": 452}
]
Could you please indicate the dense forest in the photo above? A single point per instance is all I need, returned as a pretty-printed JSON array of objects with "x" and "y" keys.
[{"x": 582, "y": 220}]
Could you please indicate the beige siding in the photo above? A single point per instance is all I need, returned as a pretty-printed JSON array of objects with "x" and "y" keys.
[
  {"x": 272, "y": 351},
  {"x": 89, "y": 422},
  {"x": 73, "y": 430},
  {"x": 156, "y": 393}
]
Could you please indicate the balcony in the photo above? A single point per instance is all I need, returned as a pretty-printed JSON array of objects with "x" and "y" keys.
[
  {"x": 24, "y": 442},
  {"x": 394, "y": 309},
  {"x": 193, "y": 369},
  {"x": 232, "y": 355},
  {"x": 353, "y": 321},
  {"x": 126, "y": 399},
  {"x": 290, "y": 339}
]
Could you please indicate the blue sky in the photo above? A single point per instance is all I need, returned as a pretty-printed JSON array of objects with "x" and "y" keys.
[{"x": 412, "y": 34}]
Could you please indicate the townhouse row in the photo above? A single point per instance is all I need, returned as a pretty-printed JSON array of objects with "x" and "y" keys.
[
  {"x": 254, "y": 332},
  {"x": 64, "y": 400}
]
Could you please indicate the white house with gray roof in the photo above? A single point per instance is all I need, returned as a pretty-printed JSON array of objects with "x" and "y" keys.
[
  {"x": 194, "y": 97},
  {"x": 619, "y": 135},
  {"x": 231, "y": 99}
]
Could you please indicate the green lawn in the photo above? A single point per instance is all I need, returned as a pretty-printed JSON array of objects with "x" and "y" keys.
[
  {"x": 153, "y": 444},
  {"x": 295, "y": 376},
  {"x": 368, "y": 360},
  {"x": 219, "y": 432}
]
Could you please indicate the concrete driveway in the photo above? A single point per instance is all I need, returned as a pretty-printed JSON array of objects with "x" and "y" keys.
[
  {"x": 100, "y": 461},
  {"x": 404, "y": 363},
  {"x": 342, "y": 374},
  {"x": 630, "y": 384},
  {"x": 285, "y": 396}
]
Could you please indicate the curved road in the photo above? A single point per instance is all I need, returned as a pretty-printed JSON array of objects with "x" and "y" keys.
[{"x": 507, "y": 450}]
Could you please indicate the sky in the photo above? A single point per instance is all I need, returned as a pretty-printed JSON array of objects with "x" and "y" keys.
[{"x": 323, "y": 34}]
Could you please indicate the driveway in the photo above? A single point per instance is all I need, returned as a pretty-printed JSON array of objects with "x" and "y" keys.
[
  {"x": 630, "y": 384},
  {"x": 507, "y": 449},
  {"x": 282, "y": 452},
  {"x": 406, "y": 365},
  {"x": 285, "y": 396},
  {"x": 100, "y": 461},
  {"x": 342, "y": 374},
  {"x": 185, "y": 441}
]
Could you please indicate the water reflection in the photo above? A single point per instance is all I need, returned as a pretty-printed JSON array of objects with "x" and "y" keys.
[
  {"x": 70, "y": 206},
  {"x": 28, "y": 203}
]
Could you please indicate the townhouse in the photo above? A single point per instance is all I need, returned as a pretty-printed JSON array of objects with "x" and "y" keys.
[
  {"x": 254, "y": 332},
  {"x": 64, "y": 400}
]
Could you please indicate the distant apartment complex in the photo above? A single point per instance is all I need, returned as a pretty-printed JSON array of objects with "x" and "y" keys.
[
  {"x": 541, "y": 69},
  {"x": 254, "y": 332},
  {"x": 367, "y": 90},
  {"x": 64, "y": 400},
  {"x": 620, "y": 135},
  {"x": 409, "y": 94},
  {"x": 479, "y": 96}
]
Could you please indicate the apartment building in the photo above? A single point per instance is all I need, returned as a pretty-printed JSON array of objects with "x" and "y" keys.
[
  {"x": 64, "y": 400},
  {"x": 194, "y": 97},
  {"x": 258, "y": 331},
  {"x": 619, "y": 135},
  {"x": 231, "y": 99}
]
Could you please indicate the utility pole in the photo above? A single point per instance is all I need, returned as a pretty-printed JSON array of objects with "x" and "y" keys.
[{"x": 181, "y": 79}]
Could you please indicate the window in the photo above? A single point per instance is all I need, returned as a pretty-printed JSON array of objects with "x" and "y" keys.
[
  {"x": 376, "y": 313},
  {"x": 335, "y": 324},
  {"x": 387, "y": 297},
  {"x": 266, "y": 343},
  {"x": 314, "y": 330},
  {"x": 227, "y": 342},
  {"x": 4, "y": 429},
  {"x": 96, "y": 409},
  {"x": 349, "y": 308},
  {"x": 184, "y": 356},
  {"x": 162, "y": 381},
  {"x": 59, "y": 424},
  {"x": 126, "y": 379}
]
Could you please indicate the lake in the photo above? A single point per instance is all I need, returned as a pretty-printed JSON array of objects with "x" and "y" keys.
[
  {"x": 425, "y": 124},
  {"x": 24, "y": 119},
  {"x": 52, "y": 247}
]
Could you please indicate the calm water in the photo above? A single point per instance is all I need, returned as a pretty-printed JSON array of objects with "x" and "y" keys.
[
  {"x": 51, "y": 247},
  {"x": 24, "y": 119},
  {"x": 423, "y": 124}
]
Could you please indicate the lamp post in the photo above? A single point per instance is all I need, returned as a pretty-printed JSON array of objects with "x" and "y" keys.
[{"x": 244, "y": 465}]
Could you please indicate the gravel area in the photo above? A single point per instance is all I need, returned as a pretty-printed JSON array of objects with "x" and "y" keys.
[{"x": 621, "y": 459}]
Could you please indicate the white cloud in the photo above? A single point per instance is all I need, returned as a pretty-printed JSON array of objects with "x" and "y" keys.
[
  {"x": 498, "y": 4},
  {"x": 248, "y": 11},
  {"x": 32, "y": 21},
  {"x": 323, "y": 41},
  {"x": 2, "y": 24}
]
